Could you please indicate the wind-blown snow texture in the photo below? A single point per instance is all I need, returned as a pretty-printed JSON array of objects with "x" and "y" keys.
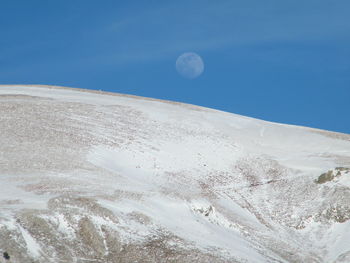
[{"x": 99, "y": 177}]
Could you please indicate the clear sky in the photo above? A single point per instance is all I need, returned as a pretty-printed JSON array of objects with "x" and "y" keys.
[{"x": 283, "y": 61}]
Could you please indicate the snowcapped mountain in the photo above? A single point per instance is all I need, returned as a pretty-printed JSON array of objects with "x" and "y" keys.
[{"x": 89, "y": 176}]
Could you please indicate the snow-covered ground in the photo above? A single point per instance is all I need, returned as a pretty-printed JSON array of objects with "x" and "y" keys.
[{"x": 116, "y": 178}]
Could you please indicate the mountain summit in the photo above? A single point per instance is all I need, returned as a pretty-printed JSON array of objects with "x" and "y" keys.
[{"x": 90, "y": 176}]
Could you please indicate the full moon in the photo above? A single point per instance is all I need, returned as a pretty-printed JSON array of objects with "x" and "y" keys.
[{"x": 189, "y": 65}]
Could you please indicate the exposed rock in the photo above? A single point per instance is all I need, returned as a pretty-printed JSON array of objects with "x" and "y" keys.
[{"x": 331, "y": 174}]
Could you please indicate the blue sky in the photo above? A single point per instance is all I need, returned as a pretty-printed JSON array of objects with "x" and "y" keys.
[{"x": 283, "y": 61}]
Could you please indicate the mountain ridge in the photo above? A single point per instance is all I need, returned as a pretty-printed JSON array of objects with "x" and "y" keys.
[
  {"x": 92, "y": 177},
  {"x": 103, "y": 92}
]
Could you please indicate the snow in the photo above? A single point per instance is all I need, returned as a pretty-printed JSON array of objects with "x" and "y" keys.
[
  {"x": 202, "y": 174},
  {"x": 12, "y": 195},
  {"x": 32, "y": 246},
  {"x": 64, "y": 227},
  {"x": 340, "y": 239},
  {"x": 188, "y": 225}
]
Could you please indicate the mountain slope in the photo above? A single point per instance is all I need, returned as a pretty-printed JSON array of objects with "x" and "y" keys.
[{"x": 100, "y": 177}]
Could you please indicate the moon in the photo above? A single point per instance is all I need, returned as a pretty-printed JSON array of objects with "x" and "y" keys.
[{"x": 190, "y": 65}]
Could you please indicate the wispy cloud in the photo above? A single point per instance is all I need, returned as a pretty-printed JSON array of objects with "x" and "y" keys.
[{"x": 161, "y": 32}]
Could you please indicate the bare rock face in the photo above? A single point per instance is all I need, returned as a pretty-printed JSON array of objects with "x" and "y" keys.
[
  {"x": 332, "y": 174},
  {"x": 99, "y": 177}
]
